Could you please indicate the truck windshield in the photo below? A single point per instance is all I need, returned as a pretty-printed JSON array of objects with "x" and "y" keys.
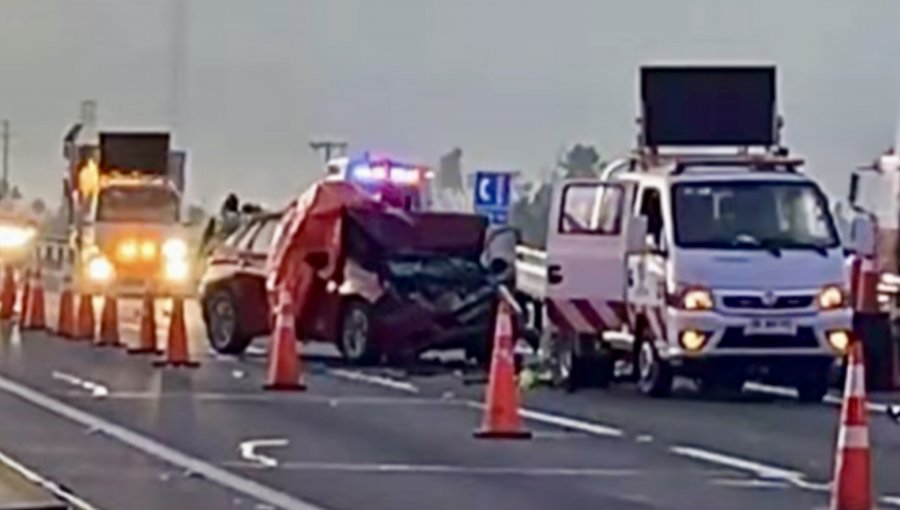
[
  {"x": 749, "y": 215},
  {"x": 154, "y": 204}
]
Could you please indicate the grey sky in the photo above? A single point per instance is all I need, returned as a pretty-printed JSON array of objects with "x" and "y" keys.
[{"x": 510, "y": 81}]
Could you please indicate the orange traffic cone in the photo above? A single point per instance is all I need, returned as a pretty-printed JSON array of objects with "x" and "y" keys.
[
  {"x": 177, "y": 354},
  {"x": 108, "y": 336},
  {"x": 147, "y": 335},
  {"x": 284, "y": 364},
  {"x": 852, "y": 485},
  {"x": 501, "y": 411},
  {"x": 8, "y": 294},
  {"x": 26, "y": 296},
  {"x": 36, "y": 317},
  {"x": 66, "y": 325},
  {"x": 86, "y": 325}
]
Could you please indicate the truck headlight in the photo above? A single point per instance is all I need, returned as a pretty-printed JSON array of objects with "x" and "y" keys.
[
  {"x": 100, "y": 269},
  {"x": 128, "y": 250},
  {"x": 175, "y": 249},
  {"x": 176, "y": 270},
  {"x": 831, "y": 297},
  {"x": 12, "y": 236},
  {"x": 697, "y": 299}
]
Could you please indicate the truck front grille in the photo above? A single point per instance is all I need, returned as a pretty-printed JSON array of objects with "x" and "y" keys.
[
  {"x": 756, "y": 302},
  {"x": 734, "y": 338}
]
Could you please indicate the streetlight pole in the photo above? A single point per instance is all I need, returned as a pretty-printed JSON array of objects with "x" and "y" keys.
[
  {"x": 4, "y": 184},
  {"x": 328, "y": 147}
]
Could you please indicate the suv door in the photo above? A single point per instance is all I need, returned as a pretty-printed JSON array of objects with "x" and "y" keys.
[
  {"x": 586, "y": 247},
  {"x": 253, "y": 301}
]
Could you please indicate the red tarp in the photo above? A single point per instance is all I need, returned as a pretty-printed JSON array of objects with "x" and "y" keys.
[{"x": 311, "y": 224}]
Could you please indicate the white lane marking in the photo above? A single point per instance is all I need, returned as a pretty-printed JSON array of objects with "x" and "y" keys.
[
  {"x": 571, "y": 423},
  {"x": 271, "y": 397},
  {"x": 595, "y": 429},
  {"x": 451, "y": 469},
  {"x": 891, "y": 500},
  {"x": 538, "y": 416},
  {"x": 95, "y": 389},
  {"x": 874, "y": 407},
  {"x": 763, "y": 471},
  {"x": 47, "y": 484},
  {"x": 158, "y": 450},
  {"x": 752, "y": 483},
  {"x": 249, "y": 451},
  {"x": 387, "y": 382}
]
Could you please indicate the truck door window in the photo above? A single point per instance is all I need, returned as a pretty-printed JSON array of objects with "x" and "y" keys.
[
  {"x": 651, "y": 208},
  {"x": 591, "y": 209}
]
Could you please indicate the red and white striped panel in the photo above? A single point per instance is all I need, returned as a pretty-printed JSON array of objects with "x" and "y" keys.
[{"x": 586, "y": 315}]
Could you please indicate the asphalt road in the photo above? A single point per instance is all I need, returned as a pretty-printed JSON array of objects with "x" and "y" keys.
[{"x": 120, "y": 433}]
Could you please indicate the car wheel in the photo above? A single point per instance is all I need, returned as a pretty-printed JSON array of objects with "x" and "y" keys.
[
  {"x": 355, "y": 341},
  {"x": 223, "y": 324},
  {"x": 655, "y": 377}
]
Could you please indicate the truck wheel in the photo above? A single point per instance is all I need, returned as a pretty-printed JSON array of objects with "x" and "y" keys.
[
  {"x": 655, "y": 376},
  {"x": 582, "y": 365},
  {"x": 223, "y": 323},
  {"x": 812, "y": 391},
  {"x": 355, "y": 342}
]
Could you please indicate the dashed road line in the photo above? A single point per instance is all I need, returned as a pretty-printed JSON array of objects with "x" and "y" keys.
[
  {"x": 387, "y": 382},
  {"x": 437, "y": 469},
  {"x": 96, "y": 390}
]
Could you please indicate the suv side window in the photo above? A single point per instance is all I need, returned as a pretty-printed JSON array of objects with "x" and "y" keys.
[
  {"x": 262, "y": 241},
  {"x": 651, "y": 208}
]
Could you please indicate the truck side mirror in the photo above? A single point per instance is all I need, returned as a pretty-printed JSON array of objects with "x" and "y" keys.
[
  {"x": 636, "y": 235},
  {"x": 853, "y": 194},
  {"x": 317, "y": 260},
  {"x": 862, "y": 236}
]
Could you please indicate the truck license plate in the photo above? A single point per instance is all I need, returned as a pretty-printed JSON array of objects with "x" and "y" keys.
[{"x": 771, "y": 327}]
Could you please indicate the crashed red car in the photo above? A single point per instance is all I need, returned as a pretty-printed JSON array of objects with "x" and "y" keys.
[{"x": 380, "y": 282}]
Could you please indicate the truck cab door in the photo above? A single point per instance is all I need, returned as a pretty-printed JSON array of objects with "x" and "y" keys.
[{"x": 586, "y": 246}]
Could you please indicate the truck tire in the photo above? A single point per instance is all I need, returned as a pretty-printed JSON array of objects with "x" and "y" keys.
[
  {"x": 583, "y": 365},
  {"x": 355, "y": 340},
  {"x": 812, "y": 391},
  {"x": 223, "y": 323},
  {"x": 655, "y": 377}
]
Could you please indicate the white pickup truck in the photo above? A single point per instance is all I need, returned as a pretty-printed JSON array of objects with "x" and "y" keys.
[{"x": 719, "y": 268}]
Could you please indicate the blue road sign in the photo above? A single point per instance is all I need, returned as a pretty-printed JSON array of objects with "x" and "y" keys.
[{"x": 492, "y": 195}]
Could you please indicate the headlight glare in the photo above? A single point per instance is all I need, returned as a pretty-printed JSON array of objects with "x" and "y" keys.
[
  {"x": 697, "y": 299},
  {"x": 99, "y": 269},
  {"x": 128, "y": 250},
  {"x": 176, "y": 270},
  {"x": 831, "y": 297},
  {"x": 175, "y": 249}
]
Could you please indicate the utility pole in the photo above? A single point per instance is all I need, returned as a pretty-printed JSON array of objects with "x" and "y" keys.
[
  {"x": 328, "y": 147},
  {"x": 4, "y": 184}
]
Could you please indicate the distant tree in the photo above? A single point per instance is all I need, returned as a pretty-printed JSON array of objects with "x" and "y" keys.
[
  {"x": 38, "y": 207},
  {"x": 581, "y": 161},
  {"x": 196, "y": 214},
  {"x": 16, "y": 194}
]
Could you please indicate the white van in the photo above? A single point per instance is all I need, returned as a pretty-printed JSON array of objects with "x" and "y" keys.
[{"x": 720, "y": 268}]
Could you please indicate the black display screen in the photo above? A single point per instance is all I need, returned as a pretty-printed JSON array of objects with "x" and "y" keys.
[
  {"x": 709, "y": 106},
  {"x": 146, "y": 153}
]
